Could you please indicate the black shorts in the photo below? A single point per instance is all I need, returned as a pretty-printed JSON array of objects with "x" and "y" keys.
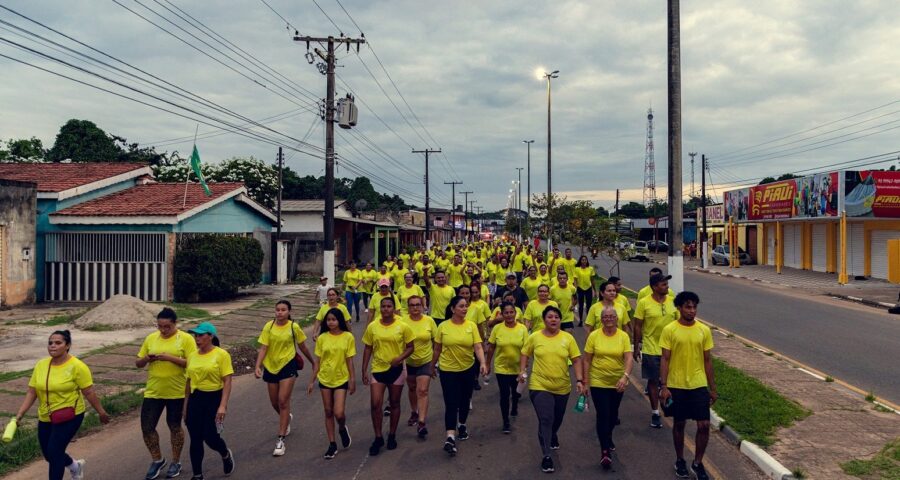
[
  {"x": 567, "y": 325},
  {"x": 287, "y": 371},
  {"x": 420, "y": 371},
  {"x": 389, "y": 376},
  {"x": 343, "y": 386},
  {"x": 650, "y": 367},
  {"x": 690, "y": 404}
]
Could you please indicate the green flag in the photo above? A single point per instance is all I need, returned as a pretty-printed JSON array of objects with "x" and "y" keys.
[{"x": 195, "y": 166}]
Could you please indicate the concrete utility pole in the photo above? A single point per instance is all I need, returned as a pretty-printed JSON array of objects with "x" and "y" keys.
[
  {"x": 328, "y": 219},
  {"x": 274, "y": 251},
  {"x": 465, "y": 214},
  {"x": 471, "y": 209},
  {"x": 676, "y": 233},
  {"x": 549, "y": 77},
  {"x": 452, "y": 207},
  {"x": 703, "y": 237},
  {"x": 519, "y": 213},
  {"x": 528, "y": 204},
  {"x": 427, "y": 151}
]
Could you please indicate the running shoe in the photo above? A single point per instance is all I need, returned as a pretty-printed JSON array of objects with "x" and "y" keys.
[
  {"x": 413, "y": 419},
  {"x": 279, "y": 448},
  {"x": 344, "y": 432},
  {"x": 612, "y": 446},
  {"x": 155, "y": 469},
  {"x": 655, "y": 421},
  {"x": 392, "y": 441},
  {"x": 450, "y": 446},
  {"x": 387, "y": 411},
  {"x": 506, "y": 428},
  {"x": 462, "y": 433},
  {"x": 290, "y": 421},
  {"x": 477, "y": 385},
  {"x": 422, "y": 431},
  {"x": 197, "y": 477},
  {"x": 547, "y": 465},
  {"x": 605, "y": 460},
  {"x": 228, "y": 463},
  {"x": 78, "y": 472},
  {"x": 554, "y": 442},
  {"x": 331, "y": 452},
  {"x": 174, "y": 470},
  {"x": 681, "y": 470},
  {"x": 699, "y": 471},
  {"x": 375, "y": 448}
]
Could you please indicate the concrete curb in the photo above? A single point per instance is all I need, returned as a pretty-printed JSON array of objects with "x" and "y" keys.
[
  {"x": 871, "y": 303},
  {"x": 770, "y": 467}
]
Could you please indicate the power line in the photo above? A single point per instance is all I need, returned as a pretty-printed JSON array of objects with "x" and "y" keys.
[{"x": 336, "y": 27}]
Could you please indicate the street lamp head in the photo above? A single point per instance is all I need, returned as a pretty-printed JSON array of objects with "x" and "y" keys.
[
  {"x": 527, "y": 141},
  {"x": 539, "y": 73}
]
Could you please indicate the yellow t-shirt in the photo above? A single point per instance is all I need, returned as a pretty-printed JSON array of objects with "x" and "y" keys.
[
  {"x": 551, "y": 361},
  {"x": 520, "y": 317},
  {"x": 508, "y": 343},
  {"x": 687, "y": 344},
  {"x": 478, "y": 312},
  {"x": 646, "y": 291},
  {"x": 455, "y": 275},
  {"x": 457, "y": 345},
  {"x": 624, "y": 301},
  {"x": 424, "y": 330},
  {"x": 569, "y": 265},
  {"x": 65, "y": 385},
  {"x": 404, "y": 293},
  {"x": 388, "y": 265},
  {"x": 534, "y": 313},
  {"x": 369, "y": 278},
  {"x": 165, "y": 379},
  {"x": 397, "y": 276},
  {"x": 423, "y": 271},
  {"x": 490, "y": 271},
  {"x": 207, "y": 371},
  {"x": 375, "y": 304},
  {"x": 280, "y": 342},
  {"x": 323, "y": 310},
  {"x": 439, "y": 298},
  {"x": 405, "y": 257},
  {"x": 593, "y": 316},
  {"x": 530, "y": 285},
  {"x": 563, "y": 297},
  {"x": 519, "y": 262},
  {"x": 333, "y": 352},
  {"x": 387, "y": 342},
  {"x": 583, "y": 277},
  {"x": 608, "y": 362},
  {"x": 655, "y": 316},
  {"x": 352, "y": 279}
]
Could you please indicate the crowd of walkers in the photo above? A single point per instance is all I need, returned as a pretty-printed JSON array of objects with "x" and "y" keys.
[{"x": 456, "y": 313}]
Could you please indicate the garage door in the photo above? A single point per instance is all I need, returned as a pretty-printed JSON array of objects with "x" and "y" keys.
[
  {"x": 819, "y": 254},
  {"x": 879, "y": 251},
  {"x": 770, "y": 244},
  {"x": 793, "y": 256},
  {"x": 856, "y": 250}
]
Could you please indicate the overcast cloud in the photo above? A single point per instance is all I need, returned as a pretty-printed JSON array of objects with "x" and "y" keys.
[{"x": 752, "y": 72}]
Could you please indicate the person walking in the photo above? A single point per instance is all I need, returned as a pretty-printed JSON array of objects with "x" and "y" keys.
[
  {"x": 504, "y": 347},
  {"x": 333, "y": 300},
  {"x": 354, "y": 280},
  {"x": 653, "y": 312},
  {"x": 439, "y": 295},
  {"x": 457, "y": 346},
  {"x": 407, "y": 290},
  {"x": 534, "y": 312},
  {"x": 384, "y": 291},
  {"x": 389, "y": 342},
  {"x": 688, "y": 380},
  {"x": 207, "y": 389},
  {"x": 369, "y": 277},
  {"x": 164, "y": 353},
  {"x": 563, "y": 293},
  {"x": 60, "y": 384},
  {"x": 333, "y": 369},
  {"x": 608, "y": 298},
  {"x": 607, "y": 363},
  {"x": 277, "y": 365},
  {"x": 550, "y": 383},
  {"x": 585, "y": 282},
  {"x": 418, "y": 365}
]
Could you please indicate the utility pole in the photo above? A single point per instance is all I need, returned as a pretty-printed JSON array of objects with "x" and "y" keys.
[
  {"x": 465, "y": 213},
  {"x": 452, "y": 207},
  {"x": 549, "y": 77},
  {"x": 617, "y": 212},
  {"x": 328, "y": 219},
  {"x": 274, "y": 247},
  {"x": 692, "y": 154},
  {"x": 528, "y": 204},
  {"x": 519, "y": 212},
  {"x": 472, "y": 209},
  {"x": 676, "y": 233},
  {"x": 703, "y": 237},
  {"x": 427, "y": 151}
]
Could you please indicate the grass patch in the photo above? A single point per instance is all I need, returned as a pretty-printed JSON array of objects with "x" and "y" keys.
[
  {"x": 7, "y": 376},
  {"x": 881, "y": 408},
  {"x": 870, "y": 397},
  {"x": 885, "y": 464},
  {"x": 751, "y": 408},
  {"x": 99, "y": 327},
  {"x": 185, "y": 311},
  {"x": 798, "y": 473},
  {"x": 829, "y": 379}
]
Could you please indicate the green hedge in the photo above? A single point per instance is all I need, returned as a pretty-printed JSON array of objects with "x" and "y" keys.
[{"x": 213, "y": 267}]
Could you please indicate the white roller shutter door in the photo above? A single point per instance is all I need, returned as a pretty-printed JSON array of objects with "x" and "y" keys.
[
  {"x": 770, "y": 244},
  {"x": 879, "y": 251},
  {"x": 856, "y": 253},
  {"x": 819, "y": 255},
  {"x": 793, "y": 255}
]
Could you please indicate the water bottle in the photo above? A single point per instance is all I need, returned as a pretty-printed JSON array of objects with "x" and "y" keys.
[
  {"x": 220, "y": 427},
  {"x": 520, "y": 389},
  {"x": 10, "y": 431},
  {"x": 581, "y": 404}
]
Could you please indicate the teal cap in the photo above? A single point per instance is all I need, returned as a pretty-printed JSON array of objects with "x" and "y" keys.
[{"x": 204, "y": 328}]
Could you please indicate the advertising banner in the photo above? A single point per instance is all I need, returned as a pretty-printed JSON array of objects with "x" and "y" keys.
[
  {"x": 715, "y": 214},
  {"x": 806, "y": 197},
  {"x": 871, "y": 193}
]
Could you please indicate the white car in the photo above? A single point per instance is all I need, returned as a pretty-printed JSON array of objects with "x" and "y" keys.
[{"x": 720, "y": 256}]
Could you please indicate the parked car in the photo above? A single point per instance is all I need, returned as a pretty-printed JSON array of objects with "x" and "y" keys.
[
  {"x": 638, "y": 251},
  {"x": 720, "y": 256},
  {"x": 624, "y": 243},
  {"x": 657, "y": 246}
]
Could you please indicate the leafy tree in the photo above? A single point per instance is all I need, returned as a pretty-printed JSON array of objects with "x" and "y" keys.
[
  {"x": 260, "y": 179},
  {"x": 633, "y": 210},
  {"x": 213, "y": 267},
  {"x": 602, "y": 211},
  {"x": 784, "y": 176},
  {"x": 23, "y": 150},
  {"x": 83, "y": 141}
]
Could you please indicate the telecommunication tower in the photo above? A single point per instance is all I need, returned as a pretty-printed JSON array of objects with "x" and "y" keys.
[{"x": 649, "y": 165}]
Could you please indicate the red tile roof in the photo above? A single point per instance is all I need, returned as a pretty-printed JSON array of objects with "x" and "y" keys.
[
  {"x": 58, "y": 177},
  {"x": 154, "y": 199}
]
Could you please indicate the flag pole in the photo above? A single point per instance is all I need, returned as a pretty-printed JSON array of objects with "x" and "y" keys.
[{"x": 187, "y": 178}]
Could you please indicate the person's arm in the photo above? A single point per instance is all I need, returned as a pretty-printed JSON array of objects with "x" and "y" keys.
[
  {"x": 490, "y": 354},
  {"x": 141, "y": 362},
  {"x": 410, "y": 347},
  {"x": 638, "y": 336},
  {"x": 314, "y": 376},
  {"x": 479, "y": 354},
  {"x": 226, "y": 393},
  {"x": 181, "y": 362},
  {"x": 587, "y": 360},
  {"x": 427, "y": 278},
  {"x": 710, "y": 376},
  {"x": 260, "y": 356},
  {"x": 629, "y": 363},
  {"x": 579, "y": 376},
  {"x": 664, "y": 393},
  {"x": 367, "y": 354},
  {"x": 434, "y": 358},
  {"x": 27, "y": 402},
  {"x": 91, "y": 396},
  {"x": 352, "y": 384},
  {"x": 305, "y": 351}
]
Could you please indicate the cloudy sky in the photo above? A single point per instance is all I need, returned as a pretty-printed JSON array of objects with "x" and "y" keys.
[{"x": 768, "y": 86}]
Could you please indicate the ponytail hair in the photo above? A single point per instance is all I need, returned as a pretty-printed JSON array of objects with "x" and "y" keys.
[
  {"x": 281, "y": 302},
  {"x": 215, "y": 341}
]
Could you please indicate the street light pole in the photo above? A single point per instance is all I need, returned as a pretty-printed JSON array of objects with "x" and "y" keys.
[
  {"x": 676, "y": 238},
  {"x": 528, "y": 198},
  {"x": 519, "y": 213},
  {"x": 549, "y": 77}
]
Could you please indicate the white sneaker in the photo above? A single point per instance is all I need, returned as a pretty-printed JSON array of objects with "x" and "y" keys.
[
  {"x": 367, "y": 310},
  {"x": 78, "y": 472},
  {"x": 279, "y": 448},
  {"x": 290, "y": 420}
]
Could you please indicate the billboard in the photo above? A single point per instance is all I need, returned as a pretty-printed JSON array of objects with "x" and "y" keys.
[
  {"x": 872, "y": 193},
  {"x": 806, "y": 197},
  {"x": 714, "y": 214}
]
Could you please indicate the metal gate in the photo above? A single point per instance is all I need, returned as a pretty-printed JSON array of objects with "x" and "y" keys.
[
  {"x": 819, "y": 247},
  {"x": 91, "y": 267},
  {"x": 792, "y": 246},
  {"x": 770, "y": 244},
  {"x": 856, "y": 259},
  {"x": 879, "y": 251}
]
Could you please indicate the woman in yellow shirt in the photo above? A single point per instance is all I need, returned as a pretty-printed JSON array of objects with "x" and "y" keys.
[
  {"x": 456, "y": 347},
  {"x": 584, "y": 283},
  {"x": 534, "y": 312},
  {"x": 60, "y": 383},
  {"x": 607, "y": 363},
  {"x": 333, "y": 369},
  {"x": 277, "y": 366},
  {"x": 608, "y": 299},
  {"x": 563, "y": 293},
  {"x": 506, "y": 341},
  {"x": 550, "y": 384},
  {"x": 531, "y": 283},
  {"x": 418, "y": 365},
  {"x": 407, "y": 290},
  {"x": 165, "y": 351},
  {"x": 544, "y": 274},
  {"x": 208, "y": 387},
  {"x": 389, "y": 342},
  {"x": 370, "y": 276},
  {"x": 353, "y": 282},
  {"x": 334, "y": 301},
  {"x": 496, "y": 316}
]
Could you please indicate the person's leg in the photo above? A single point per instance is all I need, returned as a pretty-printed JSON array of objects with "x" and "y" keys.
[
  {"x": 395, "y": 397},
  {"x": 44, "y": 429},
  {"x": 601, "y": 407},
  {"x": 560, "y": 402},
  {"x": 701, "y": 439},
  {"x": 339, "y": 405},
  {"x": 543, "y": 403},
  {"x": 151, "y": 411},
  {"x": 285, "y": 388},
  {"x": 210, "y": 433},
  {"x": 174, "y": 411},
  {"x": 584, "y": 303},
  {"x": 272, "y": 390},
  {"x": 60, "y": 436},
  {"x": 328, "y": 405},
  {"x": 451, "y": 391},
  {"x": 653, "y": 389},
  {"x": 412, "y": 395},
  {"x": 613, "y": 411},
  {"x": 678, "y": 438},
  {"x": 376, "y": 400},
  {"x": 506, "y": 384},
  {"x": 465, "y": 393},
  {"x": 423, "y": 382},
  {"x": 194, "y": 423}
]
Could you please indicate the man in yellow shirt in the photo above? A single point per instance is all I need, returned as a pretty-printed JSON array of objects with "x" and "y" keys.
[
  {"x": 455, "y": 272},
  {"x": 687, "y": 378},
  {"x": 652, "y": 314},
  {"x": 647, "y": 290}
]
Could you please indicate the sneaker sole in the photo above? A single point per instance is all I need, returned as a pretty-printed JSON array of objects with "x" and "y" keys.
[
  {"x": 349, "y": 439},
  {"x": 148, "y": 477},
  {"x": 450, "y": 449},
  {"x": 681, "y": 476},
  {"x": 327, "y": 457}
]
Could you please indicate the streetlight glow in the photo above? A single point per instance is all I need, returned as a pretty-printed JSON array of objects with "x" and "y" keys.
[{"x": 539, "y": 73}]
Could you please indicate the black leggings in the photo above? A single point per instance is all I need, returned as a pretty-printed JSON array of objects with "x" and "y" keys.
[
  {"x": 53, "y": 440},
  {"x": 151, "y": 410},
  {"x": 550, "y": 409},
  {"x": 606, "y": 403},
  {"x": 507, "y": 384},
  {"x": 457, "y": 389},
  {"x": 585, "y": 297},
  {"x": 201, "y": 426}
]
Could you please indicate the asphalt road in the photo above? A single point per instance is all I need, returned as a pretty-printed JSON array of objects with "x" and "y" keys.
[
  {"x": 854, "y": 343},
  {"x": 118, "y": 452}
]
